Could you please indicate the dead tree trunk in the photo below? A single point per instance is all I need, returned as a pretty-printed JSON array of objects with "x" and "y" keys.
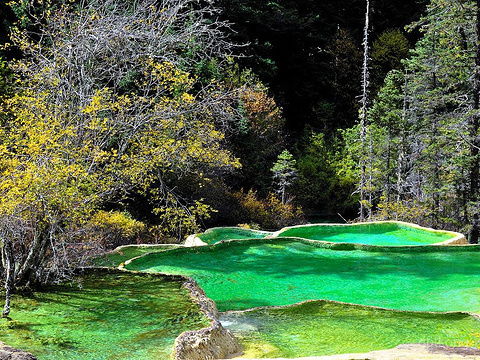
[
  {"x": 10, "y": 275},
  {"x": 363, "y": 120}
]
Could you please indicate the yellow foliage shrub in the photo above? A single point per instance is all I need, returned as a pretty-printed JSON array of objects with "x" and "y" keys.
[
  {"x": 268, "y": 213},
  {"x": 116, "y": 228},
  {"x": 408, "y": 210}
]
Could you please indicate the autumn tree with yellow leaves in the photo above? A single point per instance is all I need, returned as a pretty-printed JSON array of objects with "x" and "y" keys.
[{"x": 105, "y": 104}]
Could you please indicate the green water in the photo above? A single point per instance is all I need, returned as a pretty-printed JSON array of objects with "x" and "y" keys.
[
  {"x": 115, "y": 257},
  {"x": 114, "y": 316},
  {"x": 214, "y": 235},
  {"x": 247, "y": 274},
  {"x": 385, "y": 234},
  {"x": 323, "y": 328}
]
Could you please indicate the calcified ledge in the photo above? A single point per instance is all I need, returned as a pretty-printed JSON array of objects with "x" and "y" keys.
[
  {"x": 421, "y": 351},
  {"x": 212, "y": 342},
  {"x": 405, "y": 352},
  {"x": 439, "y": 247},
  {"x": 326, "y": 301},
  {"x": 457, "y": 238}
]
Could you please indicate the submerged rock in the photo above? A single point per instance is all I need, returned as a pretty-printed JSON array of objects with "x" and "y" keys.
[{"x": 10, "y": 353}]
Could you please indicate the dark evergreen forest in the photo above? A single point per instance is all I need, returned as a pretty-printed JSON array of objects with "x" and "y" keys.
[{"x": 309, "y": 53}]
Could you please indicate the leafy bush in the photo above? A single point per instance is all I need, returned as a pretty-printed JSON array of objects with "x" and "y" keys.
[
  {"x": 116, "y": 228},
  {"x": 268, "y": 213}
]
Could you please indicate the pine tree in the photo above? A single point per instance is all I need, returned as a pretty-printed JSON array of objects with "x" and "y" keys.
[
  {"x": 284, "y": 173},
  {"x": 436, "y": 125}
]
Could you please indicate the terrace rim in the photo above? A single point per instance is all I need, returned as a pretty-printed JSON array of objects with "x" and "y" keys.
[
  {"x": 216, "y": 342},
  {"x": 456, "y": 237}
]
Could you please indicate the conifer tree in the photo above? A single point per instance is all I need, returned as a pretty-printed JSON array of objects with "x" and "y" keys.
[{"x": 284, "y": 173}]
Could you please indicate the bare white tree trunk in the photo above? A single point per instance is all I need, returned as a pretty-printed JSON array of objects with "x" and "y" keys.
[
  {"x": 363, "y": 120},
  {"x": 10, "y": 275},
  {"x": 402, "y": 152}
]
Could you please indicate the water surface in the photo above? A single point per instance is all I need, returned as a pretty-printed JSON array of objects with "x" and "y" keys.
[
  {"x": 214, "y": 235},
  {"x": 112, "y": 316},
  {"x": 246, "y": 274},
  {"x": 325, "y": 328},
  {"x": 382, "y": 233}
]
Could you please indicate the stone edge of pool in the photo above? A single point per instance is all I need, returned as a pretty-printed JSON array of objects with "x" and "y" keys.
[
  {"x": 319, "y": 244},
  {"x": 457, "y": 238},
  {"x": 404, "y": 352},
  {"x": 327, "y": 301},
  {"x": 212, "y": 342}
]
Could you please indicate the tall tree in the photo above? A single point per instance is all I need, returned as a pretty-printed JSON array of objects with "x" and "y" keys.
[
  {"x": 438, "y": 169},
  {"x": 292, "y": 49},
  {"x": 105, "y": 107},
  {"x": 474, "y": 135},
  {"x": 284, "y": 173},
  {"x": 365, "y": 192}
]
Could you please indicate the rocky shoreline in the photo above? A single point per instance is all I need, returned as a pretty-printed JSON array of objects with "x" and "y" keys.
[
  {"x": 213, "y": 342},
  {"x": 404, "y": 352},
  {"x": 10, "y": 353}
]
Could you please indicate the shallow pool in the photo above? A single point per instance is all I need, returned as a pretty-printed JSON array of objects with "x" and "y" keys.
[
  {"x": 112, "y": 316},
  {"x": 325, "y": 328},
  {"x": 266, "y": 272},
  {"x": 384, "y": 233},
  {"x": 214, "y": 235},
  {"x": 379, "y": 233}
]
